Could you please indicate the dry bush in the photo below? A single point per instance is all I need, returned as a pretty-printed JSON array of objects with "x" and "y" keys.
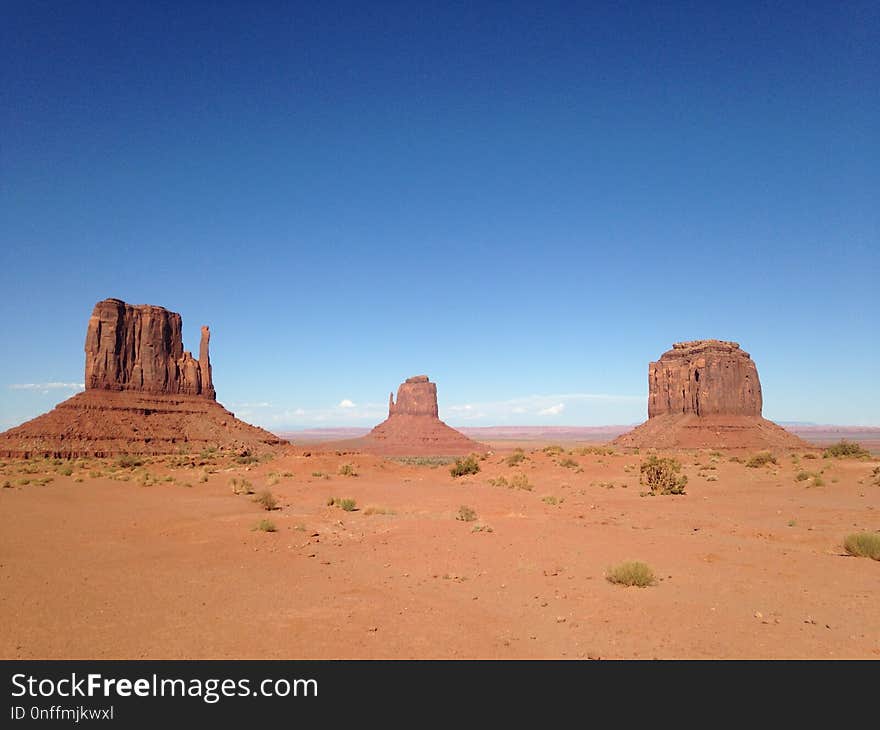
[
  {"x": 661, "y": 475},
  {"x": 631, "y": 573}
]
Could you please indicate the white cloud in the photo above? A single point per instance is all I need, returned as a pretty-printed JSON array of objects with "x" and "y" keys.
[
  {"x": 47, "y": 386},
  {"x": 552, "y": 410},
  {"x": 346, "y": 403},
  {"x": 465, "y": 408}
]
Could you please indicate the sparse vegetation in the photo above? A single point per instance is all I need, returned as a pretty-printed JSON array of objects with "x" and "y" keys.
[
  {"x": 349, "y": 505},
  {"x": 466, "y": 514},
  {"x": 762, "y": 458},
  {"x": 431, "y": 461},
  {"x": 809, "y": 456},
  {"x": 875, "y": 476},
  {"x": 272, "y": 480},
  {"x": 569, "y": 463},
  {"x": 515, "y": 458},
  {"x": 499, "y": 482},
  {"x": 661, "y": 475},
  {"x": 520, "y": 481},
  {"x": 482, "y": 528},
  {"x": 846, "y": 450},
  {"x": 266, "y": 500},
  {"x": 241, "y": 486},
  {"x": 631, "y": 573},
  {"x": 863, "y": 545},
  {"x": 551, "y": 500},
  {"x": 466, "y": 465},
  {"x": 265, "y": 526},
  {"x": 347, "y": 470},
  {"x": 378, "y": 511},
  {"x": 129, "y": 461},
  {"x": 802, "y": 476},
  {"x": 553, "y": 450}
]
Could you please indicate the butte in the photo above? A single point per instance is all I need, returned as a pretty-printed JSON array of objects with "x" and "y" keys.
[
  {"x": 706, "y": 394},
  {"x": 413, "y": 427},
  {"x": 143, "y": 395}
]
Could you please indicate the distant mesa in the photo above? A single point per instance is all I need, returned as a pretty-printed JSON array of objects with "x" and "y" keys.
[
  {"x": 144, "y": 394},
  {"x": 706, "y": 394},
  {"x": 413, "y": 427}
]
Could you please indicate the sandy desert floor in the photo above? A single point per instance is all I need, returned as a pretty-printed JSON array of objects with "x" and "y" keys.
[{"x": 106, "y": 562}]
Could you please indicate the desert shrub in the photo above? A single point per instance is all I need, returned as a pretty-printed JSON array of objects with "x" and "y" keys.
[
  {"x": 266, "y": 500},
  {"x": 203, "y": 477},
  {"x": 432, "y": 461},
  {"x": 482, "y": 528},
  {"x": 515, "y": 458},
  {"x": 241, "y": 486},
  {"x": 762, "y": 458},
  {"x": 499, "y": 482},
  {"x": 23, "y": 482},
  {"x": 466, "y": 514},
  {"x": 809, "y": 456},
  {"x": 349, "y": 505},
  {"x": 875, "y": 476},
  {"x": 65, "y": 470},
  {"x": 818, "y": 481},
  {"x": 553, "y": 450},
  {"x": 266, "y": 526},
  {"x": 661, "y": 475},
  {"x": 272, "y": 480},
  {"x": 863, "y": 545},
  {"x": 520, "y": 481},
  {"x": 378, "y": 511},
  {"x": 802, "y": 476},
  {"x": 846, "y": 449},
  {"x": 466, "y": 465},
  {"x": 347, "y": 470},
  {"x": 569, "y": 463},
  {"x": 550, "y": 499},
  {"x": 331, "y": 501},
  {"x": 317, "y": 473},
  {"x": 597, "y": 450},
  {"x": 736, "y": 459},
  {"x": 129, "y": 461},
  {"x": 631, "y": 573}
]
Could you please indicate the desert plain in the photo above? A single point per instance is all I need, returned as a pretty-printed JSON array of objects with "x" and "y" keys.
[{"x": 162, "y": 557}]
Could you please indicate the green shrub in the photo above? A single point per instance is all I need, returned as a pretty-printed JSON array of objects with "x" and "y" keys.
[
  {"x": 466, "y": 465},
  {"x": 762, "y": 458},
  {"x": 466, "y": 514},
  {"x": 515, "y": 458},
  {"x": 569, "y": 464},
  {"x": 266, "y": 526},
  {"x": 266, "y": 500},
  {"x": 347, "y": 470},
  {"x": 349, "y": 505},
  {"x": 846, "y": 449},
  {"x": 553, "y": 450},
  {"x": 863, "y": 545},
  {"x": 661, "y": 475},
  {"x": 631, "y": 573}
]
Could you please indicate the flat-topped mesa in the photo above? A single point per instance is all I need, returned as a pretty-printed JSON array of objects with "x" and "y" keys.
[
  {"x": 140, "y": 347},
  {"x": 417, "y": 396},
  {"x": 704, "y": 378}
]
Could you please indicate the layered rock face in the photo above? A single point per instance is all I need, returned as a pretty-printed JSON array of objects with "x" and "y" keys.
[
  {"x": 144, "y": 395},
  {"x": 413, "y": 427},
  {"x": 705, "y": 377},
  {"x": 706, "y": 394},
  {"x": 140, "y": 347}
]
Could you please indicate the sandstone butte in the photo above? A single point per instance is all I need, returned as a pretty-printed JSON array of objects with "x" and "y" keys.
[
  {"x": 143, "y": 395},
  {"x": 706, "y": 394},
  {"x": 413, "y": 427}
]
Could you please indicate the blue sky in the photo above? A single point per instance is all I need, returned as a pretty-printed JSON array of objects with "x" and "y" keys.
[{"x": 526, "y": 201}]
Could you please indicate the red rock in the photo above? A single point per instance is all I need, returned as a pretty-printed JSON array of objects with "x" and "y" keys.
[
  {"x": 706, "y": 394},
  {"x": 705, "y": 377},
  {"x": 413, "y": 427},
  {"x": 144, "y": 395},
  {"x": 140, "y": 347}
]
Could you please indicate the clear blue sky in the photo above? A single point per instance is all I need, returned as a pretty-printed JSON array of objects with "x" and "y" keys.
[{"x": 526, "y": 201}]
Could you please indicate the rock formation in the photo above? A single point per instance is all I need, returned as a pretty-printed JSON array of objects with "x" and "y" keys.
[
  {"x": 144, "y": 394},
  {"x": 706, "y": 393},
  {"x": 413, "y": 427}
]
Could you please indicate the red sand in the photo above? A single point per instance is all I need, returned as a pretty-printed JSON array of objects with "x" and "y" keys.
[{"x": 750, "y": 565}]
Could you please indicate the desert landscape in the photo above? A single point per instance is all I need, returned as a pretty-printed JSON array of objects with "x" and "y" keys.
[{"x": 141, "y": 519}]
